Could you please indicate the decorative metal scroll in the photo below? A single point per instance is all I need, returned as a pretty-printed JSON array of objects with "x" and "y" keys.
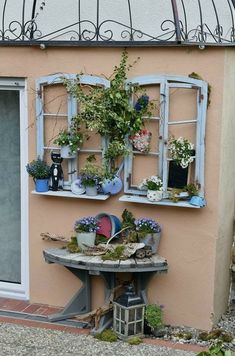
[{"x": 117, "y": 23}]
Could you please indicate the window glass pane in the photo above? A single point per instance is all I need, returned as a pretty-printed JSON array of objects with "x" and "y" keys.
[
  {"x": 10, "y": 254},
  {"x": 55, "y": 99},
  {"x": 132, "y": 315},
  {"x": 183, "y": 104},
  {"x": 150, "y": 164}
]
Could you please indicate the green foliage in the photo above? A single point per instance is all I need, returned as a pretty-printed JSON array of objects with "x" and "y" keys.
[
  {"x": 115, "y": 255},
  {"x": 135, "y": 340},
  {"x": 197, "y": 76},
  {"x": 216, "y": 350},
  {"x": 71, "y": 138},
  {"x": 38, "y": 169},
  {"x": 192, "y": 189},
  {"x": 106, "y": 335},
  {"x": 128, "y": 219},
  {"x": 100, "y": 239},
  {"x": 109, "y": 110},
  {"x": 153, "y": 316}
]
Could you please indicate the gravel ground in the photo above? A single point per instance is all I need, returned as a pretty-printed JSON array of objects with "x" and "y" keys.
[
  {"x": 27, "y": 341},
  {"x": 226, "y": 325}
]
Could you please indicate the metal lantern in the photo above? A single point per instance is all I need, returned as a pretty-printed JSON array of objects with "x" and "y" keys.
[{"x": 128, "y": 315}]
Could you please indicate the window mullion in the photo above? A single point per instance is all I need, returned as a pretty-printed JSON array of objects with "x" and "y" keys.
[{"x": 164, "y": 140}]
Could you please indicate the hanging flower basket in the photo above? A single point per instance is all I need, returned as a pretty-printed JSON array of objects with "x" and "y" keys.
[{"x": 141, "y": 140}]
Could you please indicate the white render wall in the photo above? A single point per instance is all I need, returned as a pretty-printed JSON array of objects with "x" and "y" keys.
[{"x": 147, "y": 15}]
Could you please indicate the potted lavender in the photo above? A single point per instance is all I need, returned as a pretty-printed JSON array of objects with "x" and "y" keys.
[
  {"x": 149, "y": 232},
  {"x": 86, "y": 231}
]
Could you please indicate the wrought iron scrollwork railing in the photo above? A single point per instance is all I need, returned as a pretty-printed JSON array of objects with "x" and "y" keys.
[{"x": 123, "y": 22}]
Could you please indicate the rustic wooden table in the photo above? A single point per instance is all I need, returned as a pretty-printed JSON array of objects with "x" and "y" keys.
[{"x": 83, "y": 267}]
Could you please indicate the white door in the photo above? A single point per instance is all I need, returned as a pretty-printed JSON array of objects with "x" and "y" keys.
[{"x": 13, "y": 190}]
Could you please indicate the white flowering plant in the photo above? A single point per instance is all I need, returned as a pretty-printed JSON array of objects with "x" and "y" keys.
[
  {"x": 151, "y": 183},
  {"x": 181, "y": 151},
  {"x": 72, "y": 138}
]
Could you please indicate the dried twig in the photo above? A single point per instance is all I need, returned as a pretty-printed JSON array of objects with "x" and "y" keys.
[{"x": 53, "y": 237}]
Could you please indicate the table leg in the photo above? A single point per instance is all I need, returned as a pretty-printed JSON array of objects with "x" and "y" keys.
[
  {"x": 80, "y": 302},
  {"x": 142, "y": 281},
  {"x": 106, "y": 320}
]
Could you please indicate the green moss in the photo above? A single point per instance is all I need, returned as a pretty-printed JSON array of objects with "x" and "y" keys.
[
  {"x": 72, "y": 246},
  {"x": 203, "y": 336},
  {"x": 100, "y": 239},
  {"x": 226, "y": 337},
  {"x": 185, "y": 336},
  {"x": 117, "y": 254},
  {"x": 135, "y": 340},
  {"x": 106, "y": 335}
]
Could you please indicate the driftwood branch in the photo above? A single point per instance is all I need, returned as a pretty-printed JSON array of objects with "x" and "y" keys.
[
  {"x": 98, "y": 312},
  {"x": 53, "y": 237}
]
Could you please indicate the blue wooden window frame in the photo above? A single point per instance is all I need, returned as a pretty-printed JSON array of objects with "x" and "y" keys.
[
  {"x": 72, "y": 107},
  {"x": 166, "y": 82}
]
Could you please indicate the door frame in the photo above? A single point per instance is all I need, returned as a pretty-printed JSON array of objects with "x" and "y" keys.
[{"x": 15, "y": 290}]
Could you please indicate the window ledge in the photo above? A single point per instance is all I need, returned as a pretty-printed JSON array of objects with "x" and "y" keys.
[
  {"x": 69, "y": 194},
  {"x": 163, "y": 202}
]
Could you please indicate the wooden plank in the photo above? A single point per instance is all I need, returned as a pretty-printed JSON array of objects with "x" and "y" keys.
[
  {"x": 143, "y": 262},
  {"x": 111, "y": 264},
  {"x": 130, "y": 263},
  {"x": 163, "y": 202},
  {"x": 157, "y": 259},
  {"x": 69, "y": 194}
]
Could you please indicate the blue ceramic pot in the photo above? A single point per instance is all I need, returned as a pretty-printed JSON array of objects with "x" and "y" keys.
[{"x": 41, "y": 185}]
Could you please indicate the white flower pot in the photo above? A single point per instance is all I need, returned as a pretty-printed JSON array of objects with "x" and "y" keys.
[
  {"x": 152, "y": 240},
  {"x": 87, "y": 238},
  {"x": 91, "y": 191},
  {"x": 154, "y": 195},
  {"x": 65, "y": 152}
]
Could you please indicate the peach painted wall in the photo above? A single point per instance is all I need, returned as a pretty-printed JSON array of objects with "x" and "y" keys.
[{"x": 189, "y": 236}]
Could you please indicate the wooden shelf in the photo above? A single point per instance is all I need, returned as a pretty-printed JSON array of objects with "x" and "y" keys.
[
  {"x": 164, "y": 202},
  {"x": 69, "y": 194}
]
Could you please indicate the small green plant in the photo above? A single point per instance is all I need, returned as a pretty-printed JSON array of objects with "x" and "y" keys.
[
  {"x": 91, "y": 174},
  {"x": 154, "y": 316},
  {"x": 128, "y": 219},
  {"x": 116, "y": 254},
  {"x": 135, "y": 340},
  {"x": 197, "y": 76},
  {"x": 106, "y": 335},
  {"x": 216, "y": 350},
  {"x": 191, "y": 189},
  {"x": 38, "y": 169}
]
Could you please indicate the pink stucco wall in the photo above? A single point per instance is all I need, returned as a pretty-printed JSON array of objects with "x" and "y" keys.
[{"x": 189, "y": 235}]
